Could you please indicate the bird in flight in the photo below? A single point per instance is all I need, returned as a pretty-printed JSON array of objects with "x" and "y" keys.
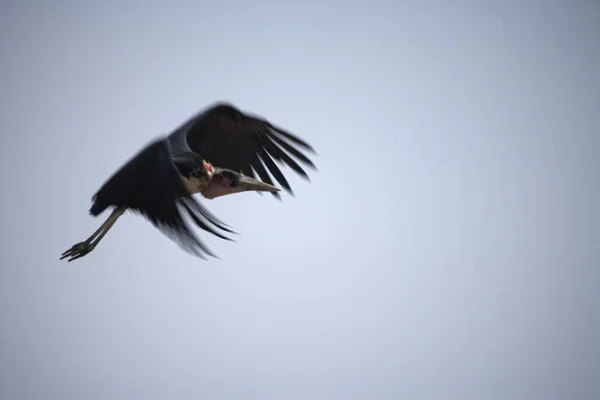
[{"x": 217, "y": 152}]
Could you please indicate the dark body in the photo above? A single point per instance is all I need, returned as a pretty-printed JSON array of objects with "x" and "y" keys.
[{"x": 213, "y": 153}]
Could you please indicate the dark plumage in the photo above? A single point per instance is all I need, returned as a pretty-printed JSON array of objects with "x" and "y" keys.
[
  {"x": 213, "y": 153},
  {"x": 231, "y": 139}
]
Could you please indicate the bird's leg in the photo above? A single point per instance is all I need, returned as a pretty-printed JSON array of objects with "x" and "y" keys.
[{"x": 82, "y": 248}]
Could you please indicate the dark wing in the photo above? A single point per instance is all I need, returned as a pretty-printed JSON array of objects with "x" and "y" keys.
[
  {"x": 150, "y": 184},
  {"x": 228, "y": 138}
]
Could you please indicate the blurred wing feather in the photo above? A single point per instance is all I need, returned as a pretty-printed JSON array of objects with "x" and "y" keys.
[
  {"x": 228, "y": 138},
  {"x": 150, "y": 184}
]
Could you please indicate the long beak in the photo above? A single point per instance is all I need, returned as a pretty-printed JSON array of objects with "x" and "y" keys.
[{"x": 248, "y": 183}]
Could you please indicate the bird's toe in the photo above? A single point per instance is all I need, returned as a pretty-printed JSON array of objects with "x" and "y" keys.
[{"x": 77, "y": 251}]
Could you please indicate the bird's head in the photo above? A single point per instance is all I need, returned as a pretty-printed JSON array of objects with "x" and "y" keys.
[{"x": 225, "y": 181}]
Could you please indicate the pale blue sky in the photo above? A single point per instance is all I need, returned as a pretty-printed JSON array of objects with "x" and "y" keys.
[{"x": 448, "y": 247}]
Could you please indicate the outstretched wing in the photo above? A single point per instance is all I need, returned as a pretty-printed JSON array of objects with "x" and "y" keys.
[
  {"x": 228, "y": 138},
  {"x": 150, "y": 184}
]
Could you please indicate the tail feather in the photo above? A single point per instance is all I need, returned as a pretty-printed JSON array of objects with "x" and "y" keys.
[{"x": 98, "y": 206}]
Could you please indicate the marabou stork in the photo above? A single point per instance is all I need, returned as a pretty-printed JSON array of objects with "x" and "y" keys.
[{"x": 213, "y": 153}]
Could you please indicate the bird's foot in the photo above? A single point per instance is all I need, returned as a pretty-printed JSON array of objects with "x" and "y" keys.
[{"x": 78, "y": 250}]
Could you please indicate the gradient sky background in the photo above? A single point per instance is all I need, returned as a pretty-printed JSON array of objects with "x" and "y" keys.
[{"x": 447, "y": 248}]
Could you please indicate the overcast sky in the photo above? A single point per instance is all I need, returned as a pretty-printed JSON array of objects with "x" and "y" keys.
[{"x": 447, "y": 248}]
